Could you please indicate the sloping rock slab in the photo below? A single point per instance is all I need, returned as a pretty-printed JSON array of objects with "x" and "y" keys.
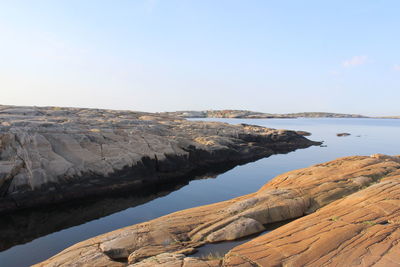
[
  {"x": 362, "y": 229},
  {"x": 290, "y": 195}
]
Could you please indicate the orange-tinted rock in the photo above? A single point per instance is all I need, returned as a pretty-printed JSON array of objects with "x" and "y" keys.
[
  {"x": 290, "y": 195},
  {"x": 176, "y": 260},
  {"x": 362, "y": 229}
]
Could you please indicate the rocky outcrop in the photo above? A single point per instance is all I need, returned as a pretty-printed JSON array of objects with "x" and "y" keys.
[
  {"x": 362, "y": 229},
  {"x": 246, "y": 114},
  {"x": 52, "y": 154},
  {"x": 290, "y": 195}
]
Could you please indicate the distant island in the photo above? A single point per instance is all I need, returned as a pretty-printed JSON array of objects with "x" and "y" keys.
[
  {"x": 389, "y": 117},
  {"x": 246, "y": 114}
]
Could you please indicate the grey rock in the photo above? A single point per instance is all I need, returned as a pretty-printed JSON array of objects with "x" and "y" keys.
[{"x": 52, "y": 154}]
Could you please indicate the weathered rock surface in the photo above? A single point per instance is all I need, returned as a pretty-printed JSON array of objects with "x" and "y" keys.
[
  {"x": 175, "y": 259},
  {"x": 362, "y": 229},
  {"x": 290, "y": 195},
  {"x": 50, "y": 154}
]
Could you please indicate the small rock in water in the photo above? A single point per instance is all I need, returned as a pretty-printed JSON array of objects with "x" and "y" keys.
[{"x": 342, "y": 134}]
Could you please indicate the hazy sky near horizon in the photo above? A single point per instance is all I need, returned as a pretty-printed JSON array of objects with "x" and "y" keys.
[{"x": 155, "y": 55}]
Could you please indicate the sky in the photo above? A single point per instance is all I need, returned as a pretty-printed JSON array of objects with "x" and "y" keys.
[{"x": 158, "y": 55}]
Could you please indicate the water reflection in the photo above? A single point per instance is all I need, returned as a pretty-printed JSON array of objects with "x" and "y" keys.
[{"x": 26, "y": 225}]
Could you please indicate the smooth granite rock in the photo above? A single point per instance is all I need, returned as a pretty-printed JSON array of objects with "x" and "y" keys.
[
  {"x": 176, "y": 260},
  {"x": 288, "y": 196},
  {"x": 362, "y": 229}
]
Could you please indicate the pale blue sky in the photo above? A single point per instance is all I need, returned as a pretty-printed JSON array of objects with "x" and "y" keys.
[{"x": 159, "y": 55}]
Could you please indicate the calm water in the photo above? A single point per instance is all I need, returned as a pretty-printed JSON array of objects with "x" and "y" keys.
[{"x": 368, "y": 136}]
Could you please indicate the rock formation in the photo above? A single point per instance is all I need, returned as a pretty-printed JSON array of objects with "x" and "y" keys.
[
  {"x": 51, "y": 154},
  {"x": 350, "y": 205},
  {"x": 362, "y": 229}
]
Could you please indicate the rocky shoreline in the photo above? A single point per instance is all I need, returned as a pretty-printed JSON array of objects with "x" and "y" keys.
[
  {"x": 22, "y": 226},
  {"x": 51, "y": 154},
  {"x": 349, "y": 211}
]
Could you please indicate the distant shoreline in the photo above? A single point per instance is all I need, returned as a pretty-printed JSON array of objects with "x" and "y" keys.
[
  {"x": 245, "y": 114},
  {"x": 226, "y": 114}
]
